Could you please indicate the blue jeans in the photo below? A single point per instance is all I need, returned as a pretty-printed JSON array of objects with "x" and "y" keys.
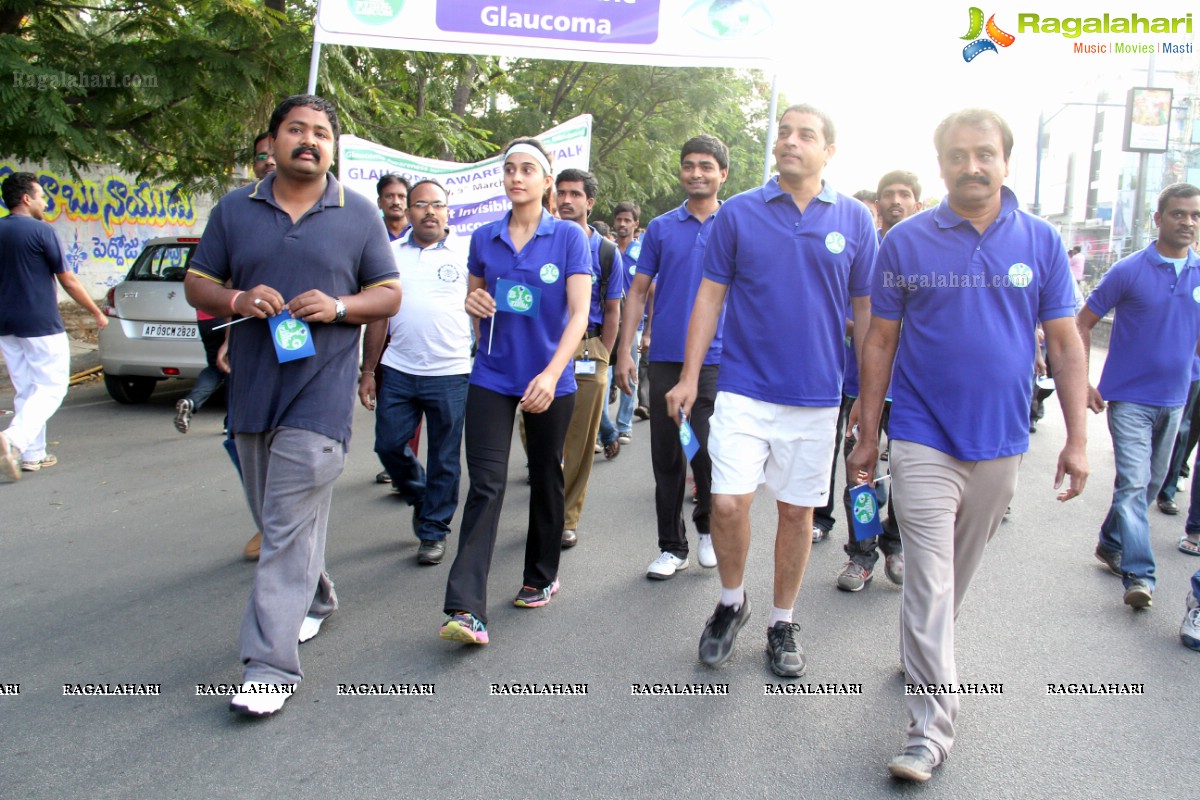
[
  {"x": 1184, "y": 442},
  {"x": 1142, "y": 440},
  {"x": 609, "y": 432},
  {"x": 401, "y": 400}
]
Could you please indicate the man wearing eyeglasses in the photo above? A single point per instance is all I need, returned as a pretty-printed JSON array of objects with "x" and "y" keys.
[
  {"x": 264, "y": 162},
  {"x": 425, "y": 368}
]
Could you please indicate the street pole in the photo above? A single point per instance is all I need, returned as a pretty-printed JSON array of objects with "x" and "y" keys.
[
  {"x": 1139, "y": 194},
  {"x": 1037, "y": 170}
]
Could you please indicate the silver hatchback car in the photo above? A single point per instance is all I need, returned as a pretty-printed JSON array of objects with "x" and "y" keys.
[{"x": 152, "y": 332}]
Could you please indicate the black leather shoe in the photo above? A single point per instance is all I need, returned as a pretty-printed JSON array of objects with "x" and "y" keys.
[
  {"x": 383, "y": 477},
  {"x": 569, "y": 539},
  {"x": 1168, "y": 507},
  {"x": 431, "y": 551}
]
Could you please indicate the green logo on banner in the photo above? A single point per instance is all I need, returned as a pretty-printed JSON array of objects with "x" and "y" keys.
[
  {"x": 864, "y": 508},
  {"x": 291, "y": 335},
  {"x": 519, "y": 298},
  {"x": 375, "y": 12}
]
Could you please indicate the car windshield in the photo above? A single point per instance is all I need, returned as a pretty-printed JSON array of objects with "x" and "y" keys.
[{"x": 164, "y": 262}]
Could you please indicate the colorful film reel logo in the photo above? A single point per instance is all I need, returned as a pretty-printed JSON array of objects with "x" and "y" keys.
[{"x": 994, "y": 37}]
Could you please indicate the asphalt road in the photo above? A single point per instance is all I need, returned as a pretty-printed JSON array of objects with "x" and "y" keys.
[{"x": 122, "y": 565}]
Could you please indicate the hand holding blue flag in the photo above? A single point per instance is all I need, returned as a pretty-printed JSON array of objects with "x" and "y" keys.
[{"x": 687, "y": 437}]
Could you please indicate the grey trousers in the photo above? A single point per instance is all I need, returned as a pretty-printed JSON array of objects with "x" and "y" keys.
[
  {"x": 947, "y": 510},
  {"x": 288, "y": 475}
]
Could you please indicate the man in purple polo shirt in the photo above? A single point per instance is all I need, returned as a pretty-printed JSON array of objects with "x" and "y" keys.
[
  {"x": 783, "y": 263},
  {"x": 969, "y": 281},
  {"x": 576, "y": 198},
  {"x": 672, "y": 248},
  {"x": 294, "y": 242},
  {"x": 1156, "y": 296}
]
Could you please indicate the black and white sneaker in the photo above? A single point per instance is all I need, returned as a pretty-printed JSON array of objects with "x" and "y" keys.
[
  {"x": 787, "y": 656},
  {"x": 183, "y": 415},
  {"x": 720, "y": 633}
]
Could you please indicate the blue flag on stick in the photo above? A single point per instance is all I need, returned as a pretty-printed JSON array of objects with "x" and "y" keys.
[
  {"x": 865, "y": 508},
  {"x": 292, "y": 337},
  {"x": 687, "y": 437},
  {"x": 517, "y": 298}
]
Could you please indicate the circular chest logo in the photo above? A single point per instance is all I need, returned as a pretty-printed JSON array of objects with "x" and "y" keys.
[
  {"x": 291, "y": 334},
  {"x": 633, "y": 269},
  {"x": 520, "y": 298},
  {"x": 549, "y": 273},
  {"x": 1020, "y": 275},
  {"x": 835, "y": 242},
  {"x": 1196, "y": 294},
  {"x": 864, "y": 508},
  {"x": 448, "y": 273},
  {"x": 635, "y": 249}
]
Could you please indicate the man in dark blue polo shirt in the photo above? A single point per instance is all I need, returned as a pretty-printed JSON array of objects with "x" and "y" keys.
[
  {"x": 295, "y": 242},
  {"x": 671, "y": 254},
  {"x": 626, "y": 216},
  {"x": 1155, "y": 333},
  {"x": 782, "y": 264},
  {"x": 969, "y": 281}
]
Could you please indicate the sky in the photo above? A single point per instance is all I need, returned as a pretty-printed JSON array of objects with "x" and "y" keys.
[{"x": 887, "y": 73}]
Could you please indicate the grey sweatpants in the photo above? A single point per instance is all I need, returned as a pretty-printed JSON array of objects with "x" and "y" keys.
[
  {"x": 947, "y": 510},
  {"x": 288, "y": 475}
]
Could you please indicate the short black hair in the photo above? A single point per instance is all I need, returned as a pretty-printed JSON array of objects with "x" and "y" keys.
[
  {"x": 706, "y": 144},
  {"x": 388, "y": 180},
  {"x": 428, "y": 182},
  {"x": 257, "y": 139},
  {"x": 866, "y": 195},
  {"x": 308, "y": 101},
  {"x": 602, "y": 228},
  {"x": 827, "y": 129},
  {"x": 1179, "y": 190},
  {"x": 900, "y": 176},
  {"x": 572, "y": 175},
  {"x": 976, "y": 118},
  {"x": 628, "y": 207},
  {"x": 16, "y": 186}
]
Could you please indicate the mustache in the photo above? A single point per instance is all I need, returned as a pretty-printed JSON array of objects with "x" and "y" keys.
[
  {"x": 302, "y": 149},
  {"x": 982, "y": 180}
]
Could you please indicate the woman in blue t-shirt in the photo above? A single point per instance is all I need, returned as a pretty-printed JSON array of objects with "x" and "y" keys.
[{"x": 529, "y": 290}]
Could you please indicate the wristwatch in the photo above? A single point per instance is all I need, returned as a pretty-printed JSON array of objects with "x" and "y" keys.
[{"x": 339, "y": 309}]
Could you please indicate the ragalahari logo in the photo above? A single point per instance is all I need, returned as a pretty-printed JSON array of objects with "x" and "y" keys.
[{"x": 995, "y": 36}]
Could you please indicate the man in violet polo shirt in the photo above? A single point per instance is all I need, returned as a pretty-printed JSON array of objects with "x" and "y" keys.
[
  {"x": 672, "y": 249},
  {"x": 969, "y": 281},
  {"x": 783, "y": 263},
  {"x": 296, "y": 241},
  {"x": 576, "y": 198},
  {"x": 1156, "y": 296}
]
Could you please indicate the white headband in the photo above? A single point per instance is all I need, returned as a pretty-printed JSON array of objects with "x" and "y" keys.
[{"x": 530, "y": 150}]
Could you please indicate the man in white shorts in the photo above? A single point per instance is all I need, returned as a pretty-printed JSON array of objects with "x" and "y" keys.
[{"x": 788, "y": 257}]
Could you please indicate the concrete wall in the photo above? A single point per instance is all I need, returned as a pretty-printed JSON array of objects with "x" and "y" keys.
[{"x": 104, "y": 218}]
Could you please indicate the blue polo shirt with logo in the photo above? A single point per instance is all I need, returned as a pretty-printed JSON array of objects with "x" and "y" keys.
[
  {"x": 672, "y": 254},
  {"x": 616, "y": 279},
  {"x": 790, "y": 276},
  {"x": 522, "y": 345},
  {"x": 1154, "y": 330},
  {"x": 30, "y": 258},
  {"x": 969, "y": 304},
  {"x": 339, "y": 246}
]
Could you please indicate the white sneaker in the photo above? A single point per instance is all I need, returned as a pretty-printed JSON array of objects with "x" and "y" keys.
[
  {"x": 665, "y": 566},
  {"x": 261, "y": 699},
  {"x": 310, "y": 627},
  {"x": 706, "y": 555},
  {"x": 1189, "y": 631}
]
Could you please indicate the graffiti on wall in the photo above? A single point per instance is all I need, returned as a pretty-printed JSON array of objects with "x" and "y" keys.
[{"x": 103, "y": 222}]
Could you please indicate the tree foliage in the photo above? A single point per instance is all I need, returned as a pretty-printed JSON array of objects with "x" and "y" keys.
[{"x": 176, "y": 90}]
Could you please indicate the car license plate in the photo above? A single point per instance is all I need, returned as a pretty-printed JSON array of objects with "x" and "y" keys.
[{"x": 154, "y": 330}]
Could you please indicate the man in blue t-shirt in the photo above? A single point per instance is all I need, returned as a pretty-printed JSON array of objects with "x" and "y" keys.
[
  {"x": 671, "y": 258},
  {"x": 782, "y": 264},
  {"x": 32, "y": 338},
  {"x": 576, "y": 198},
  {"x": 968, "y": 281},
  {"x": 294, "y": 242},
  {"x": 1155, "y": 294}
]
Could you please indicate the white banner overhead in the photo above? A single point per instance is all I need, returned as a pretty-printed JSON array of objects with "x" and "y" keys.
[
  {"x": 674, "y": 33},
  {"x": 476, "y": 190}
]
